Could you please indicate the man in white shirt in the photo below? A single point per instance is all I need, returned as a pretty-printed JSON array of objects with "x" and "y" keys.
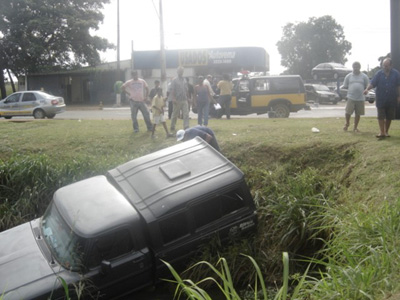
[
  {"x": 355, "y": 83},
  {"x": 138, "y": 92},
  {"x": 207, "y": 82}
]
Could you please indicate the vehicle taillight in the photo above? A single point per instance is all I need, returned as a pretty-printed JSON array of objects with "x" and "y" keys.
[{"x": 54, "y": 102}]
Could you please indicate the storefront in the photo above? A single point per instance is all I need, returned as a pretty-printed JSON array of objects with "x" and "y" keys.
[{"x": 93, "y": 85}]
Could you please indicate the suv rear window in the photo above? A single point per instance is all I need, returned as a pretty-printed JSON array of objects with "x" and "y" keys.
[{"x": 207, "y": 212}]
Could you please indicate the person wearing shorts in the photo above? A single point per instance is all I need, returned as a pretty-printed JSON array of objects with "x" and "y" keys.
[
  {"x": 387, "y": 85},
  {"x": 157, "y": 107},
  {"x": 355, "y": 83}
]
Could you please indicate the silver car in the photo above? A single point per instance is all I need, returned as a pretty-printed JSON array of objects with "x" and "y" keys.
[
  {"x": 31, "y": 103},
  {"x": 330, "y": 71},
  {"x": 370, "y": 97},
  {"x": 319, "y": 93}
]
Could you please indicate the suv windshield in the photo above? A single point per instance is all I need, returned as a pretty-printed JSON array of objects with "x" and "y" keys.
[{"x": 65, "y": 245}]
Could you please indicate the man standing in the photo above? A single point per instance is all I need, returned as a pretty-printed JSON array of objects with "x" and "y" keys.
[
  {"x": 355, "y": 83},
  {"x": 387, "y": 84},
  {"x": 137, "y": 91},
  {"x": 225, "y": 95},
  {"x": 179, "y": 95},
  {"x": 207, "y": 82}
]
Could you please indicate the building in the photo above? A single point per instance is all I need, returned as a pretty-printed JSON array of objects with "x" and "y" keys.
[{"x": 93, "y": 85}]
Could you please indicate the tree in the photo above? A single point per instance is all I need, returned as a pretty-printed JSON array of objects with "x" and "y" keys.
[
  {"x": 48, "y": 35},
  {"x": 304, "y": 45}
]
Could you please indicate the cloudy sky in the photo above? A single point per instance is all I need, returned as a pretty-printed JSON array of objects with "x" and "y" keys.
[{"x": 225, "y": 23}]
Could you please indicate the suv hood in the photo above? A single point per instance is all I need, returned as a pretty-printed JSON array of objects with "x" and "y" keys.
[{"x": 24, "y": 271}]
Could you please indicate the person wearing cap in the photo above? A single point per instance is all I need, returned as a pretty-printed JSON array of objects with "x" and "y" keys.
[{"x": 203, "y": 132}]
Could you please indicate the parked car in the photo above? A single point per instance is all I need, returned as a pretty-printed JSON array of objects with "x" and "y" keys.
[
  {"x": 277, "y": 96},
  {"x": 342, "y": 93},
  {"x": 31, "y": 103},
  {"x": 370, "y": 97},
  {"x": 320, "y": 93},
  {"x": 329, "y": 71},
  {"x": 112, "y": 232}
]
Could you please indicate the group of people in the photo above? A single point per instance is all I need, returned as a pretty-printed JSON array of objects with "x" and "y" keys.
[
  {"x": 387, "y": 88},
  {"x": 138, "y": 93},
  {"x": 386, "y": 83}
]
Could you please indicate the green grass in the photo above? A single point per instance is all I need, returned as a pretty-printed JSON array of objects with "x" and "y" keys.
[{"x": 332, "y": 196}]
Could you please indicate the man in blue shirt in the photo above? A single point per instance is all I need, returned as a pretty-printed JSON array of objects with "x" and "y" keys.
[
  {"x": 201, "y": 131},
  {"x": 387, "y": 84}
]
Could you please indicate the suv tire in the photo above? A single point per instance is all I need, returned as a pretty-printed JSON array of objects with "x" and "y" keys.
[{"x": 280, "y": 110}]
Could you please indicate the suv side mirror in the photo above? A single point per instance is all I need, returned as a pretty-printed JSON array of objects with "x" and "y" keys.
[{"x": 105, "y": 267}]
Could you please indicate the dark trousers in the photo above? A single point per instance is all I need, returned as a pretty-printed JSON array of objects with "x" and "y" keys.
[
  {"x": 170, "y": 109},
  {"x": 135, "y": 107},
  {"x": 225, "y": 102}
]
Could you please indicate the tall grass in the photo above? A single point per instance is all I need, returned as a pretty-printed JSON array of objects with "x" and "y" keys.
[
  {"x": 329, "y": 198},
  {"x": 362, "y": 261},
  {"x": 27, "y": 184},
  {"x": 222, "y": 279}
]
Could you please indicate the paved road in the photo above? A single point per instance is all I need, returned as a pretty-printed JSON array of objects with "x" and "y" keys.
[{"x": 121, "y": 113}]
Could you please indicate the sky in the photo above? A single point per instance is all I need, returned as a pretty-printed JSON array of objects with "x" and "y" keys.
[{"x": 190, "y": 24}]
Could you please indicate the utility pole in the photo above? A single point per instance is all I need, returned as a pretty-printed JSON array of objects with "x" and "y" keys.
[
  {"x": 118, "y": 82},
  {"x": 162, "y": 52},
  {"x": 394, "y": 33},
  {"x": 395, "y": 39}
]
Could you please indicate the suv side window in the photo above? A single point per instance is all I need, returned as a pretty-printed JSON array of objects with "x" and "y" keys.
[
  {"x": 262, "y": 84},
  {"x": 174, "y": 227},
  {"x": 110, "y": 246},
  {"x": 286, "y": 85},
  {"x": 244, "y": 85},
  {"x": 211, "y": 210}
]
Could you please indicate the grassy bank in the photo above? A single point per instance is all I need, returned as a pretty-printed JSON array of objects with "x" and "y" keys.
[{"x": 331, "y": 195}]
